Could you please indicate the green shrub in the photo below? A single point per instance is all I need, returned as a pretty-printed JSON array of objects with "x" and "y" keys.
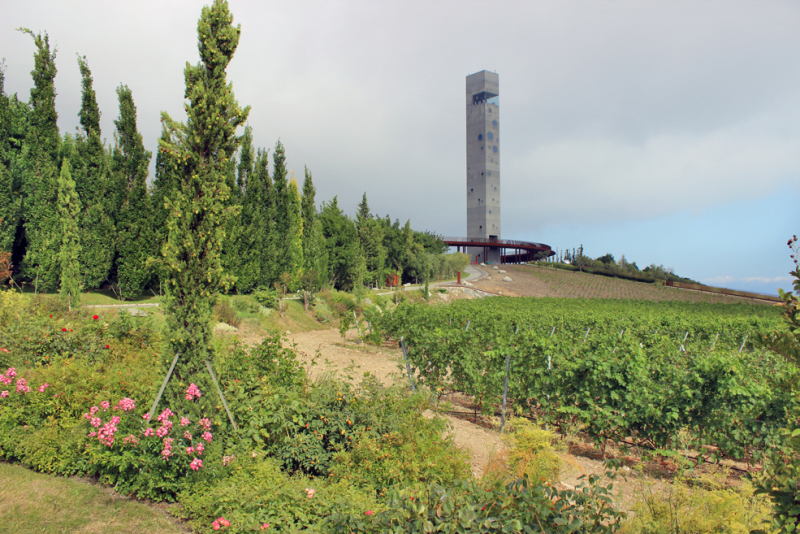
[
  {"x": 269, "y": 298},
  {"x": 224, "y": 313},
  {"x": 531, "y": 453},
  {"x": 322, "y": 312},
  {"x": 257, "y": 492},
  {"x": 705, "y": 505}
]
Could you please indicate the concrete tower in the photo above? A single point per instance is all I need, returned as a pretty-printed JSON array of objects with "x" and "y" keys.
[{"x": 483, "y": 162}]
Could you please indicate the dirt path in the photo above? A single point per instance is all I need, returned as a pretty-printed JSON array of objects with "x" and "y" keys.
[{"x": 481, "y": 441}]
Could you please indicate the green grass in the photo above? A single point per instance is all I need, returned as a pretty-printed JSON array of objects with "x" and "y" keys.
[
  {"x": 103, "y": 297},
  {"x": 33, "y": 502}
]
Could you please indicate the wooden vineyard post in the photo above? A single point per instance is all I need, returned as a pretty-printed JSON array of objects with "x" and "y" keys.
[{"x": 408, "y": 365}]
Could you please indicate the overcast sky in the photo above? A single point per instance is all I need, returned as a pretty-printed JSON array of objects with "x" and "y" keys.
[{"x": 665, "y": 131}]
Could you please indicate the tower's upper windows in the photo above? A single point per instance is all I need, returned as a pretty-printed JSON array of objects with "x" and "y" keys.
[
  {"x": 485, "y": 96},
  {"x": 490, "y": 136},
  {"x": 494, "y": 149},
  {"x": 480, "y": 137},
  {"x": 494, "y": 124}
]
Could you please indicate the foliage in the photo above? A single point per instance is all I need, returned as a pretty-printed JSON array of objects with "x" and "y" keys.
[
  {"x": 40, "y": 188},
  {"x": 69, "y": 207},
  {"x": 132, "y": 205},
  {"x": 782, "y": 474},
  {"x": 699, "y": 505},
  {"x": 199, "y": 152},
  {"x": 224, "y": 313},
  {"x": 623, "y": 369},
  {"x": 531, "y": 454}
]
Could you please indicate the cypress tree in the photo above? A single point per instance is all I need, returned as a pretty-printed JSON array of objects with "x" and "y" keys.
[
  {"x": 247, "y": 235},
  {"x": 293, "y": 251},
  {"x": 135, "y": 236},
  {"x": 314, "y": 253},
  {"x": 92, "y": 184},
  {"x": 10, "y": 199},
  {"x": 164, "y": 186},
  {"x": 200, "y": 152},
  {"x": 370, "y": 237},
  {"x": 265, "y": 227},
  {"x": 69, "y": 209},
  {"x": 42, "y": 233},
  {"x": 281, "y": 209},
  {"x": 341, "y": 244}
]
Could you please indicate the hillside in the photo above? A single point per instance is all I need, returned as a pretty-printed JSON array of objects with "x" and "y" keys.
[{"x": 538, "y": 281}]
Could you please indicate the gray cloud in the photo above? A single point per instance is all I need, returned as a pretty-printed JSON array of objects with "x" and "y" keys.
[{"x": 619, "y": 110}]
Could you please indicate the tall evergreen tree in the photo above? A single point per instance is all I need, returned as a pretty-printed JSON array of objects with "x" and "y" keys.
[
  {"x": 341, "y": 244},
  {"x": 164, "y": 186},
  {"x": 293, "y": 251},
  {"x": 281, "y": 204},
  {"x": 10, "y": 198},
  {"x": 135, "y": 235},
  {"x": 42, "y": 233},
  {"x": 200, "y": 152},
  {"x": 247, "y": 235},
  {"x": 314, "y": 254},
  {"x": 370, "y": 237},
  {"x": 265, "y": 226},
  {"x": 92, "y": 185},
  {"x": 69, "y": 209}
]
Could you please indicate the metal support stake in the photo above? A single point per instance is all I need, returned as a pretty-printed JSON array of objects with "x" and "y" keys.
[
  {"x": 467, "y": 328},
  {"x": 587, "y": 334},
  {"x": 408, "y": 365},
  {"x": 715, "y": 342},
  {"x": 553, "y": 331},
  {"x": 163, "y": 386},
  {"x": 743, "y": 342},
  {"x": 505, "y": 394},
  {"x": 221, "y": 396}
]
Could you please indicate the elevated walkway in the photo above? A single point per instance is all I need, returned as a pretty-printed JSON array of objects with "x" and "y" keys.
[{"x": 510, "y": 251}]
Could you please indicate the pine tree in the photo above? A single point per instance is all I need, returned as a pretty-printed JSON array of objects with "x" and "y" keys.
[
  {"x": 199, "y": 152},
  {"x": 42, "y": 233},
  {"x": 69, "y": 209},
  {"x": 92, "y": 184},
  {"x": 135, "y": 236}
]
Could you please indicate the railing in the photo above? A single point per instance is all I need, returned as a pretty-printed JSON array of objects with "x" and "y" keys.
[{"x": 508, "y": 243}]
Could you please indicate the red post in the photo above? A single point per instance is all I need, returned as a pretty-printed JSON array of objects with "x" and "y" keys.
[{"x": 459, "y": 277}]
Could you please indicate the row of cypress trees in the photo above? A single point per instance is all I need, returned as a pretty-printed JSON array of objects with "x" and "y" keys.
[{"x": 78, "y": 214}]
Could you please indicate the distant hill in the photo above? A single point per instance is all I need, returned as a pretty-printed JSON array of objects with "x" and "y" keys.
[{"x": 542, "y": 281}]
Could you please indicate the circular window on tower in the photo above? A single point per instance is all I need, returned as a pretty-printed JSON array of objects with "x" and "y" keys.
[
  {"x": 480, "y": 137},
  {"x": 490, "y": 136},
  {"x": 494, "y": 149},
  {"x": 494, "y": 124}
]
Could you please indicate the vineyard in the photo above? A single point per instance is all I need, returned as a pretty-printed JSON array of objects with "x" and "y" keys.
[
  {"x": 670, "y": 375},
  {"x": 539, "y": 281}
]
